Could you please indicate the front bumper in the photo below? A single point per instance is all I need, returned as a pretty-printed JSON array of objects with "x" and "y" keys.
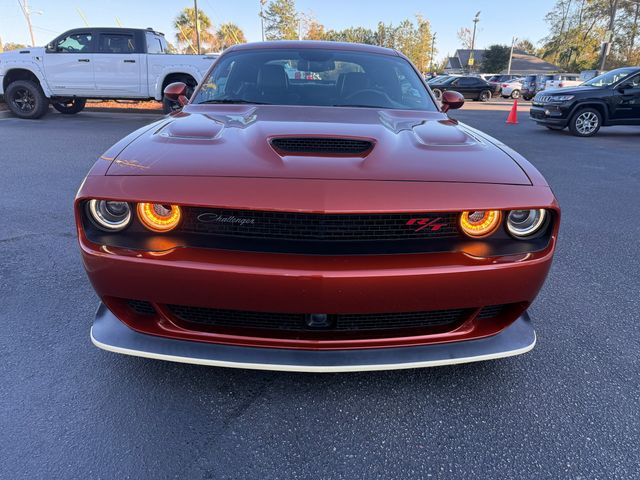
[
  {"x": 549, "y": 115},
  {"x": 330, "y": 285},
  {"x": 109, "y": 333}
]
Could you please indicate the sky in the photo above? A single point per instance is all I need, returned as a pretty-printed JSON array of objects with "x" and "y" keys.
[{"x": 498, "y": 22}]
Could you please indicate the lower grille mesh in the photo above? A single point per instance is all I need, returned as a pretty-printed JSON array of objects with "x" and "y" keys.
[
  {"x": 337, "y": 322},
  {"x": 141, "y": 307}
]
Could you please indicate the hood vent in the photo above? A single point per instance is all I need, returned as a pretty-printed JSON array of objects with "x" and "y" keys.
[{"x": 322, "y": 146}]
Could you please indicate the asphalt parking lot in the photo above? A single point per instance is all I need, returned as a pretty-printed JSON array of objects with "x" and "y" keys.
[{"x": 568, "y": 409}]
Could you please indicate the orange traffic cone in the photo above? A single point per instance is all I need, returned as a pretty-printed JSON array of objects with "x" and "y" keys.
[{"x": 513, "y": 114}]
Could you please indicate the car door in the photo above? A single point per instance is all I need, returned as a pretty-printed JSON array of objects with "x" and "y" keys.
[
  {"x": 68, "y": 64},
  {"x": 627, "y": 100},
  {"x": 117, "y": 64}
]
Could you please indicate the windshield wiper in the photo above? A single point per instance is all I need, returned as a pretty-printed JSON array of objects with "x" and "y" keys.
[{"x": 234, "y": 100}]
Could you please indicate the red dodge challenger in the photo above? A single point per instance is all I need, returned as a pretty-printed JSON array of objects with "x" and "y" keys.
[{"x": 313, "y": 208}]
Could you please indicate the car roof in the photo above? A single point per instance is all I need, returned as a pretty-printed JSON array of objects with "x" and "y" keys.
[
  {"x": 312, "y": 44},
  {"x": 113, "y": 29}
]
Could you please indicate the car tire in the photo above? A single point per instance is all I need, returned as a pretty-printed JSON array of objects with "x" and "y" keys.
[
  {"x": 70, "y": 106},
  {"x": 515, "y": 94},
  {"x": 585, "y": 122},
  {"x": 26, "y": 99},
  {"x": 168, "y": 106},
  {"x": 437, "y": 93},
  {"x": 485, "y": 96}
]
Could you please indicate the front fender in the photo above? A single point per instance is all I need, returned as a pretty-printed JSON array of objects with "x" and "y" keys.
[
  {"x": 30, "y": 64},
  {"x": 592, "y": 103}
]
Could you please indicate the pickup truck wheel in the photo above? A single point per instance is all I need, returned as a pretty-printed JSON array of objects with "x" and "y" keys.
[
  {"x": 585, "y": 122},
  {"x": 71, "y": 106},
  {"x": 26, "y": 99}
]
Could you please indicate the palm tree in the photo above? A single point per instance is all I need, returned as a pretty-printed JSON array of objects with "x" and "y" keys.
[
  {"x": 229, "y": 34},
  {"x": 186, "y": 38}
]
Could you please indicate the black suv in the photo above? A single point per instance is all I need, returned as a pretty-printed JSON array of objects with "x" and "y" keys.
[
  {"x": 612, "y": 98},
  {"x": 470, "y": 87}
]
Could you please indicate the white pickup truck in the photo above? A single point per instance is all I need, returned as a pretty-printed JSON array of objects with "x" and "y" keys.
[{"x": 102, "y": 63}]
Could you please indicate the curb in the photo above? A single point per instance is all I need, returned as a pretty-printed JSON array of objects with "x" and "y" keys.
[{"x": 123, "y": 110}]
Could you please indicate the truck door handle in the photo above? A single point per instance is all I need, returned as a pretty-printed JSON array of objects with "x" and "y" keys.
[
  {"x": 129, "y": 61},
  {"x": 83, "y": 60}
]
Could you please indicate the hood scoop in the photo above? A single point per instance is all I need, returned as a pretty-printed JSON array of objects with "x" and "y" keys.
[{"x": 318, "y": 146}]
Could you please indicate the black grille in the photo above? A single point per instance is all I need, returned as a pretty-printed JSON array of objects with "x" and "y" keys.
[
  {"x": 141, "y": 307},
  {"x": 299, "y": 322},
  {"x": 293, "y": 226},
  {"x": 491, "y": 311},
  {"x": 311, "y": 145}
]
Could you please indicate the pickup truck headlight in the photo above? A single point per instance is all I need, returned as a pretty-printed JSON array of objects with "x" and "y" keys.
[{"x": 561, "y": 98}]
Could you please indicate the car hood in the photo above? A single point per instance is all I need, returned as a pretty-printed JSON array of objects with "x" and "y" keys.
[
  {"x": 568, "y": 90},
  {"x": 235, "y": 141}
]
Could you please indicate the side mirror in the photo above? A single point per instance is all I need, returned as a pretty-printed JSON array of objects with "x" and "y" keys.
[
  {"x": 451, "y": 100},
  {"x": 176, "y": 92},
  {"x": 51, "y": 48}
]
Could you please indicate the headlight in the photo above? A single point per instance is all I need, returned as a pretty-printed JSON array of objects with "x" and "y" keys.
[
  {"x": 561, "y": 98},
  {"x": 159, "y": 217},
  {"x": 108, "y": 215},
  {"x": 480, "y": 223},
  {"x": 524, "y": 223}
]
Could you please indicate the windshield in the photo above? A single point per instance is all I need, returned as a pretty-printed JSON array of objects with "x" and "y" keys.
[
  {"x": 312, "y": 76},
  {"x": 610, "y": 78},
  {"x": 444, "y": 80},
  {"x": 438, "y": 79}
]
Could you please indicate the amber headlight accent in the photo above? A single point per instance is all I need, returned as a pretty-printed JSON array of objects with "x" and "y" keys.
[
  {"x": 159, "y": 217},
  {"x": 480, "y": 223},
  {"x": 108, "y": 215}
]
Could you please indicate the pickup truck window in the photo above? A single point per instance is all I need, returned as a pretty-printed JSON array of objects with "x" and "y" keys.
[
  {"x": 75, "y": 43},
  {"x": 117, "y": 43},
  {"x": 155, "y": 44}
]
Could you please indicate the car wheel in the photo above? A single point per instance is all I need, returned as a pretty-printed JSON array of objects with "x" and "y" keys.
[
  {"x": 26, "y": 99},
  {"x": 586, "y": 122},
  {"x": 485, "y": 96},
  {"x": 437, "y": 93},
  {"x": 71, "y": 106},
  {"x": 515, "y": 94}
]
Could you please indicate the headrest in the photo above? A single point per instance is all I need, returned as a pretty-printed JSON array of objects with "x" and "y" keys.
[{"x": 272, "y": 77}]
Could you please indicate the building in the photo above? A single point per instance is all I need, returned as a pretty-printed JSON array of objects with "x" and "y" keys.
[{"x": 522, "y": 63}]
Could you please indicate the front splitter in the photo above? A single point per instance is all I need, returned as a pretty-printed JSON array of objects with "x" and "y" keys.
[{"x": 109, "y": 333}]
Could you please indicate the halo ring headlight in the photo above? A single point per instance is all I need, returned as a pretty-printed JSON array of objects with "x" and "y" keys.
[
  {"x": 480, "y": 223},
  {"x": 108, "y": 215},
  {"x": 159, "y": 217},
  {"x": 525, "y": 223}
]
